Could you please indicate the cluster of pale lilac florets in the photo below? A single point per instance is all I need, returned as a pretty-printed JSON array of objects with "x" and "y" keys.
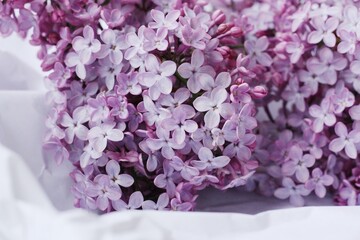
[
  {"x": 154, "y": 100},
  {"x": 150, "y": 102},
  {"x": 308, "y": 52}
]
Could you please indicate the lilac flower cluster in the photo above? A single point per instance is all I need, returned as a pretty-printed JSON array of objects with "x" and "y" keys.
[
  {"x": 308, "y": 54},
  {"x": 150, "y": 102},
  {"x": 155, "y": 100}
]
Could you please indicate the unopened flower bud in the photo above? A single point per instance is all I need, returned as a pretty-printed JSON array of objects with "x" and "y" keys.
[
  {"x": 259, "y": 92},
  {"x": 239, "y": 81},
  {"x": 218, "y": 17},
  {"x": 224, "y": 28},
  {"x": 236, "y": 32},
  {"x": 224, "y": 50},
  {"x": 53, "y": 38}
]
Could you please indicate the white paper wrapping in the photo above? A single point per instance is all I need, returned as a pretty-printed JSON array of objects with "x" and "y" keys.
[{"x": 33, "y": 207}]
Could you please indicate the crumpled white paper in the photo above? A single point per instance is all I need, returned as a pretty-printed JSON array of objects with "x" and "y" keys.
[{"x": 33, "y": 207}]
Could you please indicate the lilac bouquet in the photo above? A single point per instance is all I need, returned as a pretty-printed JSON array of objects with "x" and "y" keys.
[
  {"x": 156, "y": 100},
  {"x": 308, "y": 53},
  {"x": 152, "y": 100}
]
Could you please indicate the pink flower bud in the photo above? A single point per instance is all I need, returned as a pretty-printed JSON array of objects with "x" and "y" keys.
[
  {"x": 224, "y": 50},
  {"x": 259, "y": 92},
  {"x": 224, "y": 28},
  {"x": 218, "y": 17},
  {"x": 53, "y": 38},
  {"x": 253, "y": 145},
  {"x": 278, "y": 79},
  {"x": 236, "y": 32},
  {"x": 57, "y": 16},
  {"x": 239, "y": 81}
]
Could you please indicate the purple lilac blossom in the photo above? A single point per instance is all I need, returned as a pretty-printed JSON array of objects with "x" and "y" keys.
[
  {"x": 136, "y": 66},
  {"x": 308, "y": 53},
  {"x": 152, "y": 100}
]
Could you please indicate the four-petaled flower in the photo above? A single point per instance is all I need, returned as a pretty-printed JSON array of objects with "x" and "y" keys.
[
  {"x": 319, "y": 182},
  {"x": 214, "y": 106},
  {"x": 172, "y": 102},
  {"x": 294, "y": 94},
  {"x": 165, "y": 143},
  {"x": 298, "y": 164},
  {"x": 135, "y": 201},
  {"x": 74, "y": 126},
  {"x": 326, "y": 65},
  {"x": 186, "y": 171},
  {"x": 195, "y": 71},
  {"x": 324, "y": 31},
  {"x": 322, "y": 116},
  {"x": 257, "y": 50},
  {"x": 136, "y": 43},
  {"x": 161, "y": 204},
  {"x": 208, "y": 161},
  {"x": 157, "y": 79},
  {"x": 152, "y": 113},
  {"x": 240, "y": 146},
  {"x": 99, "y": 135},
  {"x": 345, "y": 140},
  {"x": 73, "y": 59},
  {"x": 165, "y": 180},
  {"x": 113, "y": 44},
  {"x": 168, "y": 21},
  {"x": 113, "y": 171},
  {"x": 104, "y": 191},
  {"x": 87, "y": 45},
  {"x": 294, "y": 192},
  {"x": 128, "y": 83},
  {"x": 155, "y": 40},
  {"x": 180, "y": 123}
]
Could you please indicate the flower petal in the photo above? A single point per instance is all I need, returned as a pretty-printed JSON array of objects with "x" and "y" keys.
[
  {"x": 355, "y": 67},
  {"x": 202, "y": 104},
  {"x": 100, "y": 144},
  {"x": 220, "y": 162},
  {"x": 315, "y": 37},
  {"x": 297, "y": 200},
  {"x": 125, "y": 180},
  {"x": 167, "y": 68},
  {"x": 197, "y": 58},
  {"x": 112, "y": 168},
  {"x": 350, "y": 150},
  {"x": 115, "y": 135},
  {"x": 320, "y": 190},
  {"x": 205, "y": 154},
  {"x": 223, "y": 80},
  {"x": 212, "y": 119},
  {"x": 302, "y": 174},
  {"x": 282, "y": 193},
  {"x": 337, "y": 145},
  {"x": 179, "y": 135},
  {"x": 190, "y": 126},
  {"x": 185, "y": 70},
  {"x": 102, "y": 203},
  {"x": 165, "y": 85},
  {"x": 341, "y": 130}
]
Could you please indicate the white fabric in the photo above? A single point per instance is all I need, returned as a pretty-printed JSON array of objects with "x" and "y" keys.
[
  {"x": 26, "y": 213},
  {"x": 41, "y": 208}
]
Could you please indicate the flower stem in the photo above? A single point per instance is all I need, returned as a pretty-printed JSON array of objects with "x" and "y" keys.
[{"x": 268, "y": 113}]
